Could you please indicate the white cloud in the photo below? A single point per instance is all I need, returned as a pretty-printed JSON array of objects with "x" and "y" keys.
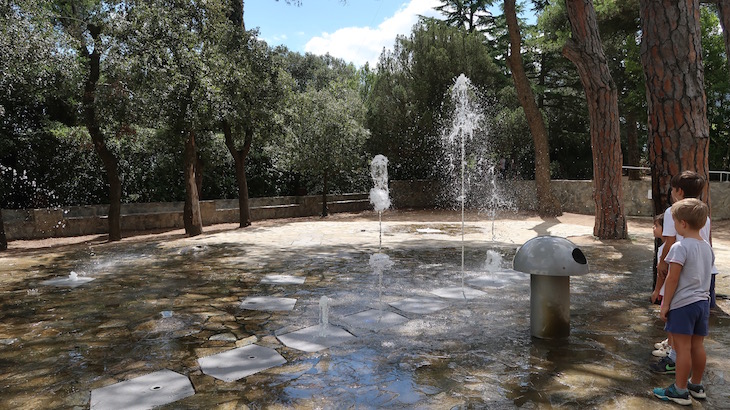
[{"x": 364, "y": 44}]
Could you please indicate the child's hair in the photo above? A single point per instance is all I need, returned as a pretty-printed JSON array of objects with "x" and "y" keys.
[
  {"x": 659, "y": 220},
  {"x": 690, "y": 182},
  {"x": 691, "y": 210}
]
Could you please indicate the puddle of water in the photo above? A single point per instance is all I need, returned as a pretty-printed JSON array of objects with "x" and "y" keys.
[{"x": 153, "y": 307}]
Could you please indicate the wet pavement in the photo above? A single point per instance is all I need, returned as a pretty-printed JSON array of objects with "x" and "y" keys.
[{"x": 163, "y": 301}]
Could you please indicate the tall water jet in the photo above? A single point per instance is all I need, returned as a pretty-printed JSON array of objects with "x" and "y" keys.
[
  {"x": 466, "y": 121},
  {"x": 380, "y": 194},
  {"x": 380, "y": 198}
]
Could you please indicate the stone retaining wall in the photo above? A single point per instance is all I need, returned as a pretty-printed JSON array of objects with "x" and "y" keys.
[
  {"x": 575, "y": 196},
  {"x": 92, "y": 219}
]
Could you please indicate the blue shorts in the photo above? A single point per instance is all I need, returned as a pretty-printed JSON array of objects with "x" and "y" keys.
[{"x": 693, "y": 319}]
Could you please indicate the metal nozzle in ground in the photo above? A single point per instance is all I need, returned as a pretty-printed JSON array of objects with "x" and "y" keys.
[{"x": 550, "y": 261}]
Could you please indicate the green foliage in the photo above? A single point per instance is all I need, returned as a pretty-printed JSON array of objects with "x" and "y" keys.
[
  {"x": 405, "y": 105},
  {"x": 717, "y": 84},
  {"x": 327, "y": 137},
  {"x": 171, "y": 67}
]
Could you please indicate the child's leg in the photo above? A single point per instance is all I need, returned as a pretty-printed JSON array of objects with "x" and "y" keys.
[
  {"x": 672, "y": 353},
  {"x": 699, "y": 358},
  {"x": 683, "y": 347}
]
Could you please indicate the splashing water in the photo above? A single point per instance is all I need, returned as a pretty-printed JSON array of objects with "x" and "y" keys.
[
  {"x": 466, "y": 121},
  {"x": 468, "y": 163},
  {"x": 73, "y": 276},
  {"x": 493, "y": 262}
]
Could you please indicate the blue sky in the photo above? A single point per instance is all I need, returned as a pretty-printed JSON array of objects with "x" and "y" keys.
[{"x": 355, "y": 30}]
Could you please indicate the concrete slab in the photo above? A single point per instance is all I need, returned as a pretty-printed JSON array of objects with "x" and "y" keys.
[
  {"x": 374, "y": 319},
  {"x": 144, "y": 392},
  {"x": 498, "y": 279},
  {"x": 458, "y": 292},
  {"x": 283, "y": 280},
  {"x": 269, "y": 303},
  {"x": 68, "y": 282},
  {"x": 420, "y": 305},
  {"x": 429, "y": 230},
  {"x": 310, "y": 340},
  {"x": 241, "y": 362}
]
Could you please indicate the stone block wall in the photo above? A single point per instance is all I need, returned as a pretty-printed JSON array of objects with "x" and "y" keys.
[
  {"x": 93, "y": 219},
  {"x": 575, "y": 196}
]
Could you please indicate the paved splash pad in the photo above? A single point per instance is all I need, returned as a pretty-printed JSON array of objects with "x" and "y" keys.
[{"x": 407, "y": 347}]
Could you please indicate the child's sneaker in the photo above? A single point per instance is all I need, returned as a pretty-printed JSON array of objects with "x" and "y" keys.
[
  {"x": 696, "y": 390},
  {"x": 662, "y": 352},
  {"x": 664, "y": 366},
  {"x": 661, "y": 345},
  {"x": 671, "y": 394}
]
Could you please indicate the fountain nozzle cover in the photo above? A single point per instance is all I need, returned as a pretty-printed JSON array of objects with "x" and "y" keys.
[{"x": 550, "y": 256}]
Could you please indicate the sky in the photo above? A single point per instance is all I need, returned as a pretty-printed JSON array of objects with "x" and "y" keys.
[{"x": 355, "y": 31}]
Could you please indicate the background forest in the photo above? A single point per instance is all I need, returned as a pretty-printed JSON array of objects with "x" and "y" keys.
[{"x": 144, "y": 78}]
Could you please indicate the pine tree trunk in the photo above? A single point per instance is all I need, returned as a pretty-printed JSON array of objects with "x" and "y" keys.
[
  {"x": 3, "y": 238},
  {"x": 97, "y": 136},
  {"x": 191, "y": 214},
  {"x": 584, "y": 49},
  {"x": 547, "y": 203},
  {"x": 239, "y": 158},
  {"x": 632, "y": 146},
  {"x": 671, "y": 53}
]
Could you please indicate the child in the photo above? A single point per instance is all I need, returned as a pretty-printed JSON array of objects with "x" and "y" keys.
[
  {"x": 686, "y": 304},
  {"x": 658, "y": 230},
  {"x": 687, "y": 184},
  {"x": 663, "y": 348}
]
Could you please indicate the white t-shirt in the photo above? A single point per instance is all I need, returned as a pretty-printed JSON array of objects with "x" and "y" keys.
[
  {"x": 669, "y": 230},
  {"x": 696, "y": 258}
]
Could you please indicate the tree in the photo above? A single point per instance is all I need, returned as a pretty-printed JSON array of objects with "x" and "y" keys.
[
  {"x": 584, "y": 49},
  {"x": 717, "y": 83},
  {"x": 37, "y": 86},
  {"x": 249, "y": 95},
  {"x": 547, "y": 204},
  {"x": 328, "y": 135},
  {"x": 723, "y": 9},
  {"x": 671, "y": 54},
  {"x": 176, "y": 43},
  {"x": 468, "y": 14},
  {"x": 90, "y": 20}
]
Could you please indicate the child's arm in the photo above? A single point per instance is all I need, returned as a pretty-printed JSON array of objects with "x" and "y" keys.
[
  {"x": 662, "y": 268},
  {"x": 671, "y": 286},
  {"x": 658, "y": 287}
]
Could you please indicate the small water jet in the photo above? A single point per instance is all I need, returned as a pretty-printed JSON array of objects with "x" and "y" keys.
[
  {"x": 324, "y": 312},
  {"x": 71, "y": 281}
]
